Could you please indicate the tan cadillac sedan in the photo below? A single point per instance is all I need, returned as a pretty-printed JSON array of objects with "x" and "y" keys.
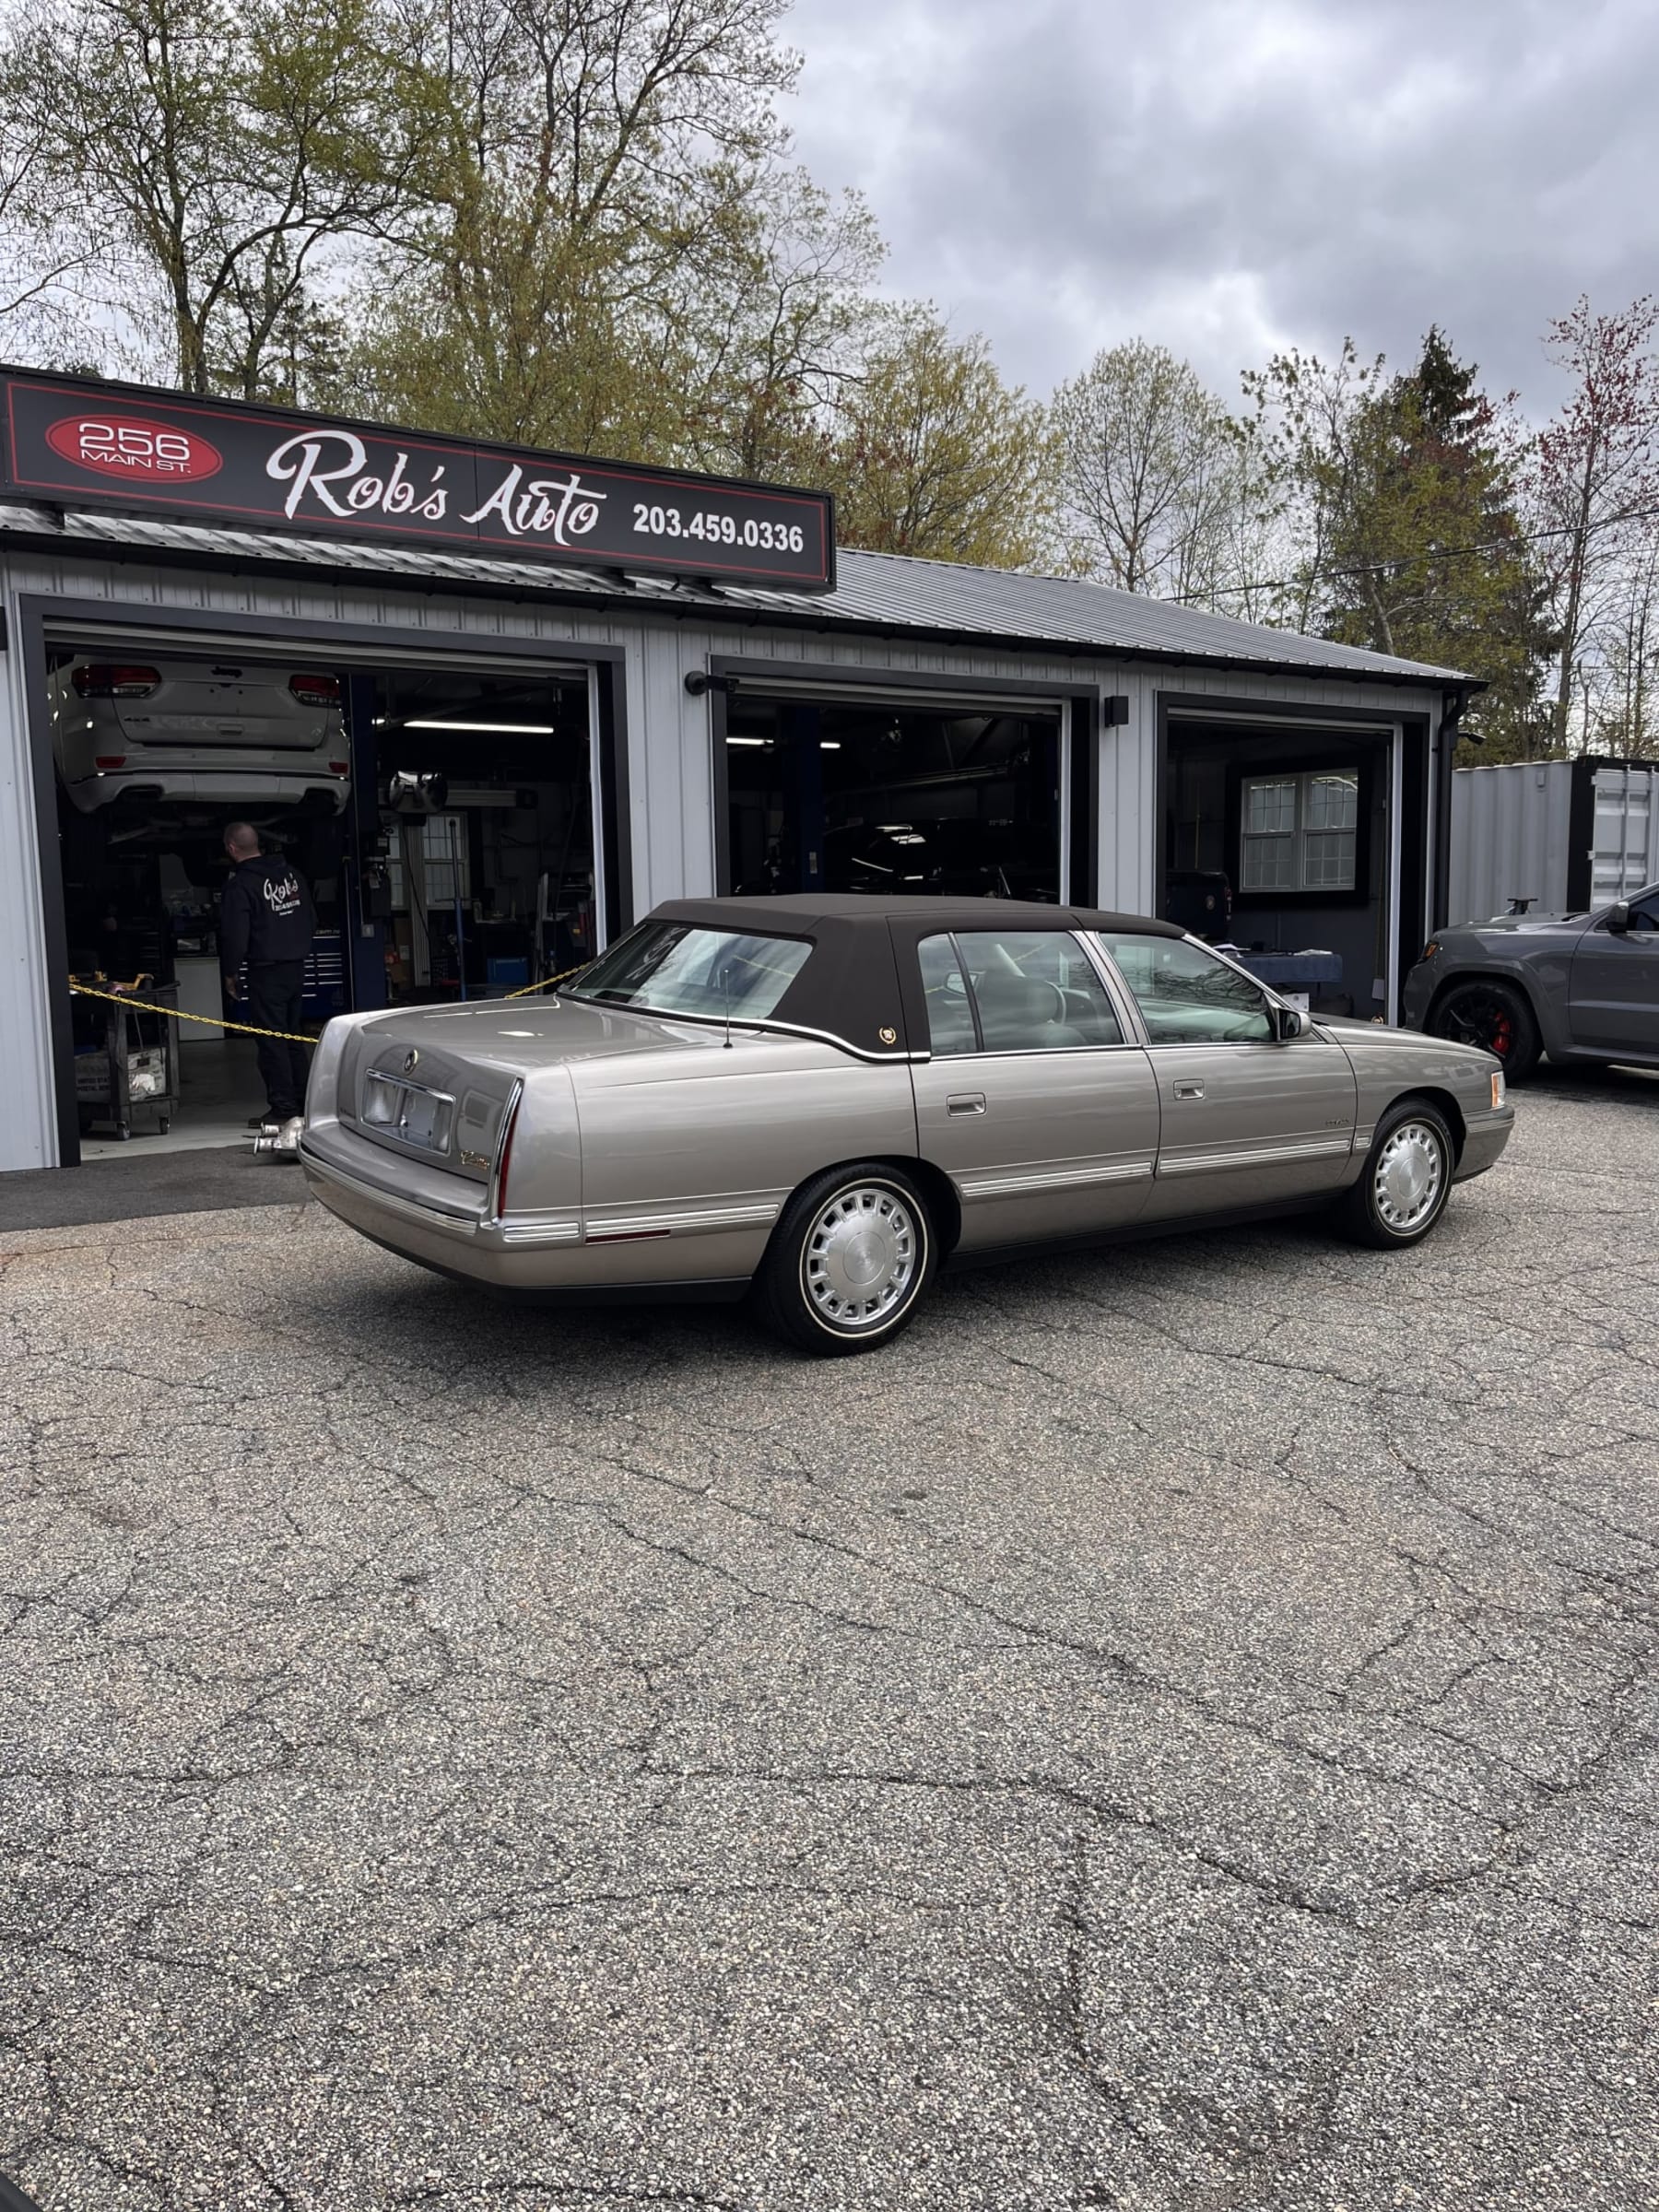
[{"x": 820, "y": 1102}]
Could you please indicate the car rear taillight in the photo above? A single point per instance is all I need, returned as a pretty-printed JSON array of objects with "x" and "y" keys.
[
  {"x": 339, "y": 768},
  {"x": 110, "y": 680},
  {"x": 500, "y": 1206},
  {"x": 109, "y": 760},
  {"x": 315, "y": 690}
]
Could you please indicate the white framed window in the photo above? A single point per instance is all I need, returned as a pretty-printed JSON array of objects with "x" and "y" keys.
[
  {"x": 443, "y": 851},
  {"x": 1299, "y": 832}
]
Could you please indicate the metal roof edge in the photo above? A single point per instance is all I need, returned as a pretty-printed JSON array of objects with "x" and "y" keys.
[{"x": 715, "y": 610}]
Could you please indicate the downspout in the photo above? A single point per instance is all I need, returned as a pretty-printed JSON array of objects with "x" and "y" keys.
[{"x": 1452, "y": 707}]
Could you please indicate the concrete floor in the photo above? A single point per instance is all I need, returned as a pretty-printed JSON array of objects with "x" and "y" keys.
[
  {"x": 1179, "y": 1733},
  {"x": 220, "y": 1088}
]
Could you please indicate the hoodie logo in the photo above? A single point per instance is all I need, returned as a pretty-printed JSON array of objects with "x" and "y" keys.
[{"x": 282, "y": 895}]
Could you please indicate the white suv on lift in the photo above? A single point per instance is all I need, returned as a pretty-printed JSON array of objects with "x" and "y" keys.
[{"x": 177, "y": 732}]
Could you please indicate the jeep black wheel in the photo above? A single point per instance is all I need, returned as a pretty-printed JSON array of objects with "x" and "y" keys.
[{"x": 1494, "y": 1015}]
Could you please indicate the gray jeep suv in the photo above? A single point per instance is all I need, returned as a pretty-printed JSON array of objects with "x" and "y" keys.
[{"x": 1577, "y": 986}]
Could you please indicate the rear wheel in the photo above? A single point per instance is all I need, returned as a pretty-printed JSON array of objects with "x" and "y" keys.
[
  {"x": 1406, "y": 1179},
  {"x": 1494, "y": 1015},
  {"x": 849, "y": 1262}
]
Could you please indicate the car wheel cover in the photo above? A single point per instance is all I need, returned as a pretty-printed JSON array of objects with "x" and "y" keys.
[
  {"x": 861, "y": 1259},
  {"x": 1409, "y": 1178}
]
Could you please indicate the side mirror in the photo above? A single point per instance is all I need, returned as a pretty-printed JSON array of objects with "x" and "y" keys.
[
  {"x": 1288, "y": 1022},
  {"x": 1618, "y": 921}
]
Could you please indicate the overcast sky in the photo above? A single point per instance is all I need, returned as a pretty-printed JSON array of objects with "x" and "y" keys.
[{"x": 1230, "y": 176}]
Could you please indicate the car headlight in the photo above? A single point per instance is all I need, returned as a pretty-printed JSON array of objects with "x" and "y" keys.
[{"x": 1499, "y": 1089}]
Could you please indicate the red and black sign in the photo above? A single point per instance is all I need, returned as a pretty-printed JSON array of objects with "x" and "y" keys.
[{"x": 80, "y": 444}]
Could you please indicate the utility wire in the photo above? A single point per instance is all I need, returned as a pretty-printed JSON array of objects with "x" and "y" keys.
[{"x": 1406, "y": 560}]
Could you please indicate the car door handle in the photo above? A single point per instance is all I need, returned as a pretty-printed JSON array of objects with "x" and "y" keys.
[
  {"x": 1188, "y": 1086},
  {"x": 966, "y": 1102}
]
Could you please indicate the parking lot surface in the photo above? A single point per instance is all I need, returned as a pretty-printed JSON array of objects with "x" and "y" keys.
[{"x": 1177, "y": 1732}]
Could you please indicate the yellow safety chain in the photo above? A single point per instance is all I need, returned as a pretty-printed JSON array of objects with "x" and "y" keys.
[
  {"x": 139, "y": 1006},
  {"x": 548, "y": 982},
  {"x": 246, "y": 1028}
]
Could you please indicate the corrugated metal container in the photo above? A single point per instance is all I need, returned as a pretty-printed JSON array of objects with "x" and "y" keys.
[
  {"x": 1625, "y": 855},
  {"x": 1564, "y": 835}
]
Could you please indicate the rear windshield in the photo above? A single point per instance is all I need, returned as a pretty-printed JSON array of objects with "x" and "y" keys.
[{"x": 672, "y": 968}]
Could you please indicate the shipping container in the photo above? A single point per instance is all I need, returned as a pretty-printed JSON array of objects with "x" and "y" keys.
[{"x": 1560, "y": 835}]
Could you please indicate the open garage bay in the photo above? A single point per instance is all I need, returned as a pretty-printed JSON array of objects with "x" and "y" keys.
[{"x": 1178, "y": 1732}]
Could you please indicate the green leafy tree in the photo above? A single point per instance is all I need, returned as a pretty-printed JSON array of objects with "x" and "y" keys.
[
  {"x": 216, "y": 154},
  {"x": 1156, "y": 491},
  {"x": 933, "y": 455},
  {"x": 611, "y": 217},
  {"x": 1402, "y": 494}
]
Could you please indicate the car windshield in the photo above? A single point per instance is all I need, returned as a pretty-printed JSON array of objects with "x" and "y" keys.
[{"x": 671, "y": 968}]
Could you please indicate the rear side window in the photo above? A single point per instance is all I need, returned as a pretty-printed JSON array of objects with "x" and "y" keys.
[
  {"x": 1013, "y": 990},
  {"x": 950, "y": 1012},
  {"x": 671, "y": 968},
  {"x": 1186, "y": 996}
]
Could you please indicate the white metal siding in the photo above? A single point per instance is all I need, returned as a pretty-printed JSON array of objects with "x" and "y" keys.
[{"x": 671, "y": 823}]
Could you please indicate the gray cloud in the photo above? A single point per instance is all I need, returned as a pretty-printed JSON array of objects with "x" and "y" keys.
[{"x": 1229, "y": 177}]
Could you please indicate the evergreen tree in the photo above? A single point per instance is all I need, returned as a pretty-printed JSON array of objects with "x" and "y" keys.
[{"x": 1406, "y": 490}]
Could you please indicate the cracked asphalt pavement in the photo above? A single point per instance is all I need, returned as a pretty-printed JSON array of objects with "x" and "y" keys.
[{"x": 1178, "y": 1733}]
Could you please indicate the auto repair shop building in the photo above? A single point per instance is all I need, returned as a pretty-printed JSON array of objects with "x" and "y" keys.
[{"x": 497, "y": 704}]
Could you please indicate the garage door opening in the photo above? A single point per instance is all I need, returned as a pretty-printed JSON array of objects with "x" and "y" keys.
[
  {"x": 443, "y": 821},
  {"x": 842, "y": 795},
  {"x": 1279, "y": 843}
]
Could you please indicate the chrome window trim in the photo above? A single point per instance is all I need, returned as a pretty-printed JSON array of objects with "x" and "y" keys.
[
  {"x": 1030, "y": 1052},
  {"x": 763, "y": 1024},
  {"x": 1127, "y": 1041},
  {"x": 1200, "y": 1044}
]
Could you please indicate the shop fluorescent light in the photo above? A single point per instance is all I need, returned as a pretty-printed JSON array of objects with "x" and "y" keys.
[
  {"x": 491, "y": 729},
  {"x": 828, "y": 744},
  {"x": 748, "y": 740}
]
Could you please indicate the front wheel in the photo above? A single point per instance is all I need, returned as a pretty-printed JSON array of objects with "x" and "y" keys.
[
  {"x": 849, "y": 1261},
  {"x": 1494, "y": 1015},
  {"x": 1406, "y": 1179}
]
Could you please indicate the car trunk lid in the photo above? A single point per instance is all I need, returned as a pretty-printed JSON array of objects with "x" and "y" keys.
[{"x": 434, "y": 1083}]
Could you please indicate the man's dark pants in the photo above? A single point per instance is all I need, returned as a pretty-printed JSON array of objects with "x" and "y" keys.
[{"x": 274, "y": 991}]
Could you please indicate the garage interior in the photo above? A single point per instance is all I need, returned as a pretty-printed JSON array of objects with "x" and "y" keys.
[
  {"x": 447, "y": 836},
  {"x": 848, "y": 795},
  {"x": 1277, "y": 842}
]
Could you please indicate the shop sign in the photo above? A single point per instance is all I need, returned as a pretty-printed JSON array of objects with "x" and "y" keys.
[{"x": 80, "y": 444}]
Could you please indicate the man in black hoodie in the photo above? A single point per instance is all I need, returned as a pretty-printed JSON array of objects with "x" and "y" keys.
[{"x": 266, "y": 918}]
